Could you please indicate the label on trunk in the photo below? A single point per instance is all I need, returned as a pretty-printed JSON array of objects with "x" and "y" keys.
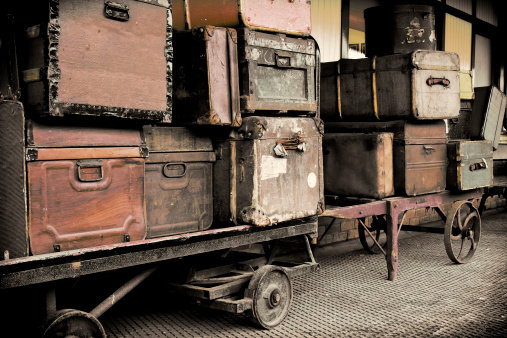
[{"x": 272, "y": 167}]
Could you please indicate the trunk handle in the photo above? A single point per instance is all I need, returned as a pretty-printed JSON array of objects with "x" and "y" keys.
[
  {"x": 438, "y": 81},
  {"x": 116, "y": 11},
  {"x": 297, "y": 143},
  {"x": 428, "y": 149},
  {"x": 90, "y": 163},
  {"x": 283, "y": 60},
  {"x": 168, "y": 172},
  {"x": 479, "y": 165}
]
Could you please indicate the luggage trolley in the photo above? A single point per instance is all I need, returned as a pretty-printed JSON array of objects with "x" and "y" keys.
[
  {"x": 259, "y": 286},
  {"x": 461, "y": 231}
]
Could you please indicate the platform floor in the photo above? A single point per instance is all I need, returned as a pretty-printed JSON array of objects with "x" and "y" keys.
[{"x": 351, "y": 297}]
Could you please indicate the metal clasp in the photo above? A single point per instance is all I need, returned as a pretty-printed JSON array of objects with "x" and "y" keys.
[{"x": 116, "y": 11}]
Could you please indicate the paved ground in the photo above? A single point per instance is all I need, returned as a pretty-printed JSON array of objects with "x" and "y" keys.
[{"x": 351, "y": 297}]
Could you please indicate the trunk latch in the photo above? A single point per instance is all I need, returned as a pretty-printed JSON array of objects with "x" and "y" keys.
[{"x": 116, "y": 11}]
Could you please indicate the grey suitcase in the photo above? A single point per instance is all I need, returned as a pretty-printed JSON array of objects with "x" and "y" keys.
[
  {"x": 470, "y": 164},
  {"x": 488, "y": 114},
  {"x": 422, "y": 85},
  {"x": 270, "y": 173},
  {"x": 278, "y": 73}
]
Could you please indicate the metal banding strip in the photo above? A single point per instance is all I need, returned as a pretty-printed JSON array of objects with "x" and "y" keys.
[{"x": 374, "y": 87}]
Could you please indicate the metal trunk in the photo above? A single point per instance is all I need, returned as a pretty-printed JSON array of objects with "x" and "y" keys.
[
  {"x": 206, "y": 81},
  {"x": 419, "y": 152},
  {"x": 422, "y": 85},
  {"x": 470, "y": 164},
  {"x": 399, "y": 29},
  {"x": 292, "y": 17},
  {"x": 84, "y": 192},
  {"x": 278, "y": 74},
  {"x": 102, "y": 58},
  {"x": 488, "y": 114},
  {"x": 272, "y": 172},
  {"x": 358, "y": 164},
  {"x": 179, "y": 196},
  {"x": 14, "y": 238}
]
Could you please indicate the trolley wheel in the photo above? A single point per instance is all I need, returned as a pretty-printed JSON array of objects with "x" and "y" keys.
[
  {"x": 270, "y": 290},
  {"x": 462, "y": 232},
  {"x": 73, "y": 324},
  {"x": 378, "y": 225}
]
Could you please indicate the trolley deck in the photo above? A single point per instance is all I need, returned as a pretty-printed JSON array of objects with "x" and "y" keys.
[{"x": 393, "y": 207}]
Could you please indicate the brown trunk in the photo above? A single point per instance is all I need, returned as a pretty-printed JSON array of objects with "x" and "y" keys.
[{"x": 358, "y": 164}]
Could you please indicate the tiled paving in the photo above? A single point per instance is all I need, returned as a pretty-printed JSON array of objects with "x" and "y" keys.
[{"x": 351, "y": 297}]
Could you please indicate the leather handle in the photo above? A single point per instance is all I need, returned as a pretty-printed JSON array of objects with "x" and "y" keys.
[
  {"x": 438, "y": 81},
  {"x": 479, "y": 165}
]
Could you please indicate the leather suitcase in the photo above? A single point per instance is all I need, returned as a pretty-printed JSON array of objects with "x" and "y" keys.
[
  {"x": 86, "y": 190},
  {"x": 422, "y": 85},
  {"x": 488, "y": 114},
  {"x": 419, "y": 152},
  {"x": 14, "y": 238},
  {"x": 291, "y": 17},
  {"x": 358, "y": 165},
  {"x": 470, "y": 164},
  {"x": 100, "y": 58},
  {"x": 179, "y": 197},
  {"x": 398, "y": 29},
  {"x": 270, "y": 173},
  {"x": 206, "y": 78},
  {"x": 278, "y": 74}
]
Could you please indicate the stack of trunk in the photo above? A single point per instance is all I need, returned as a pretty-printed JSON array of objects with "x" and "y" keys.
[
  {"x": 99, "y": 151},
  {"x": 413, "y": 88},
  {"x": 249, "y": 71}
]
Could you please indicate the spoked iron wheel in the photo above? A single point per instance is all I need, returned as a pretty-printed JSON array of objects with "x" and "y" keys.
[
  {"x": 377, "y": 229},
  {"x": 73, "y": 324},
  {"x": 271, "y": 292},
  {"x": 462, "y": 232}
]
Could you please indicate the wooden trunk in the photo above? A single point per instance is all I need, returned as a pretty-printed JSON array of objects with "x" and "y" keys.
[
  {"x": 358, "y": 164},
  {"x": 206, "y": 79},
  {"x": 271, "y": 173},
  {"x": 13, "y": 230},
  {"x": 419, "y": 152},
  {"x": 86, "y": 190},
  {"x": 422, "y": 85},
  {"x": 488, "y": 114},
  {"x": 284, "y": 16},
  {"x": 179, "y": 197},
  {"x": 470, "y": 164},
  {"x": 399, "y": 29},
  {"x": 102, "y": 58},
  {"x": 278, "y": 74},
  {"x": 459, "y": 128}
]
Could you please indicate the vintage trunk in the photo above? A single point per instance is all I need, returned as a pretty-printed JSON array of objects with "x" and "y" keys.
[
  {"x": 206, "y": 78},
  {"x": 278, "y": 74},
  {"x": 358, "y": 164},
  {"x": 179, "y": 197},
  {"x": 86, "y": 187},
  {"x": 422, "y": 85},
  {"x": 459, "y": 128},
  {"x": 419, "y": 152},
  {"x": 470, "y": 164},
  {"x": 270, "y": 173},
  {"x": 291, "y": 17},
  {"x": 488, "y": 114},
  {"x": 399, "y": 29},
  {"x": 102, "y": 58},
  {"x": 13, "y": 228}
]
